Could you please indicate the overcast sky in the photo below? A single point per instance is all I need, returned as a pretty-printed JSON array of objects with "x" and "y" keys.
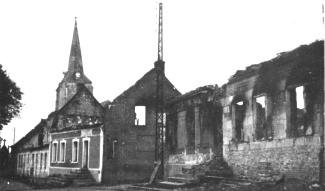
[{"x": 205, "y": 42}]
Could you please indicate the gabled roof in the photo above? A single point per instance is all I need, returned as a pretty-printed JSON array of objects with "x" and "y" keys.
[
  {"x": 142, "y": 80},
  {"x": 80, "y": 89},
  {"x": 37, "y": 129}
]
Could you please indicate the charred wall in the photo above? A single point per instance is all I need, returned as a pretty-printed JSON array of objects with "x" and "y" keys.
[{"x": 280, "y": 135}]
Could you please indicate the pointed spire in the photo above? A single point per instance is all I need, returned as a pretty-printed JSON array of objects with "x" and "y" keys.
[{"x": 75, "y": 60}]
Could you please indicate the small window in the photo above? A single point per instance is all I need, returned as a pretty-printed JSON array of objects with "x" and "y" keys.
[
  {"x": 140, "y": 115},
  {"x": 75, "y": 149},
  {"x": 62, "y": 151}
]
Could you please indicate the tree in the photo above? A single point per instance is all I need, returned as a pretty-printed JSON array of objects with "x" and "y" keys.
[{"x": 10, "y": 96}]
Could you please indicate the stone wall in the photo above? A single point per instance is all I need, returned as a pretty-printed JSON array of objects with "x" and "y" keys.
[
  {"x": 269, "y": 160},
  {"x": 129, "y": 149},
  {"x": 291, "y": 144}
]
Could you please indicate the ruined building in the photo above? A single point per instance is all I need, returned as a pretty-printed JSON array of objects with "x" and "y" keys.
[
  {"x": 130, "y": 148},
  {"x": 273, "y": 120},
  {"x": 265, "y": 122}
]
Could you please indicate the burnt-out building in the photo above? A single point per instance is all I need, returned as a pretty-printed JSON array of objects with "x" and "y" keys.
[
  {"x": 194, "y": 129},
  {"x": 273, "y": 122},
  {"x": 130, "y": 126}
]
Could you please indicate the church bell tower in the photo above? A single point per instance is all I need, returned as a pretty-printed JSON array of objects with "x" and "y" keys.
[{"x": 75, "y": 76}]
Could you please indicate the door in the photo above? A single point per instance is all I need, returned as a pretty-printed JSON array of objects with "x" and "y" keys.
[{"x": 85, "y": 156}]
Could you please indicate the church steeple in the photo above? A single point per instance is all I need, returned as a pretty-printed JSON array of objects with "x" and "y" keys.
[
  {"x": 68, "y": 87},
  {"x": 75, "y": 60},
  {"x": 75, "y": 70}
]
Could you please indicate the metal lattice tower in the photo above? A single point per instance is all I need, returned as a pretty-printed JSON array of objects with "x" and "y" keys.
[
  {"x": 160, "y": 34},
  {"x": 160, "y": 114}
]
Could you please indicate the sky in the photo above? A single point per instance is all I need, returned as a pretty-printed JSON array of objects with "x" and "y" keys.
[{"x": 205, "y": 42}]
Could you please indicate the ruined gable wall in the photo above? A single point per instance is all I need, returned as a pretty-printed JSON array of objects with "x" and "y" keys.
[{"x": 135, "y": 146}]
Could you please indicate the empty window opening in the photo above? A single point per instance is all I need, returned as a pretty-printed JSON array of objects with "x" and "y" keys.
[
  {"x": 140, "y": 115},
  {"x": 75, "y": 149},
  {"x": 301, "y": 111},
  {"x": 261, "y": 129},
  {"x": 300, "y": 98},
  {"x": 239, "y": 112}
]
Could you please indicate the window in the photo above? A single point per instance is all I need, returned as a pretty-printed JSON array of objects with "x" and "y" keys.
[
  {"x": 45, "y": 161},
  {"x": 301, "y": 110},
  {"x": 114, "y": 145},
  {"x": 263, "y": 130},
  {"x": 62, "y": 151},
  {"x": 19, "y": 161},
  {"x": 41, "y": 162},
  {"x": 36, "y": 161},
  {"x": 54, "y": 151},
  {"x": 140, "y": 115},
  {"x": 27, "y": 161},
  {"x": 238, "y": 117},
  {"x": 75, "y": 150}
]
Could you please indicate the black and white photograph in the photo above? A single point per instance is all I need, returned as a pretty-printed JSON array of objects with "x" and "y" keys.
[{"x": 160, "y": 95}]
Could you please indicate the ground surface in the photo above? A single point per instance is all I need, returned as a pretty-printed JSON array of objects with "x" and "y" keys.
[{"x": 288, "y": 185}]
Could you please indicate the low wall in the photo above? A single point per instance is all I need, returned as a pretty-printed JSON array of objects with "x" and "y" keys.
[
  {"x": 269, "y": 160},
  {"x": 96, "y": 173}
]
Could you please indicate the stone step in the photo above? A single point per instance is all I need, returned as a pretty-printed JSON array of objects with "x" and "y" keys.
[
  {"x": 58, "y": 181},
  {"x": 179, "y": 179},
  {"x": 144, "y": 188},
  {"x": 229, "y": 180},
  {"x": 84, "y": 182},
  {"x": 171, "y": 184},
  {"x": 78, "y": 176},
  {"x": 221, "y": 173}
]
